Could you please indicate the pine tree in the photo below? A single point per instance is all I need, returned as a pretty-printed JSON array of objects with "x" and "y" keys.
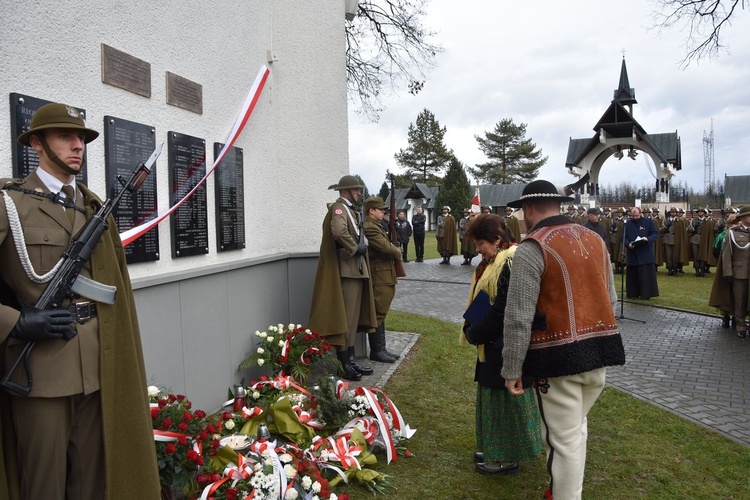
[
  {"x": 384, "y": 190},
  {"x": 426, "y": 156},
  {"x": 455, "y": 191},
  {"x": 513, "y": 158}
]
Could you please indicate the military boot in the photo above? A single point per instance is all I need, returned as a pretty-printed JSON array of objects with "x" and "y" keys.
[
  {"x": 362, "y": 369},
  {"x": 377, "y": 346},
  {"x": 347, "y": 370}
]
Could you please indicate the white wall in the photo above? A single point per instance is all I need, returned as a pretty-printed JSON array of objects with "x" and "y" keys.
[{"x": 194, "y": 310}]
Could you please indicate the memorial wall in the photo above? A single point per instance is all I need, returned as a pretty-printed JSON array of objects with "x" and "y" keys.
[{"x": 240, "y": 252}]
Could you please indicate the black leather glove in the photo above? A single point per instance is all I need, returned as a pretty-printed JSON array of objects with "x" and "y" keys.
[
  {"x": 43, "y": 324},
  {"x": 361, "y": 249}
]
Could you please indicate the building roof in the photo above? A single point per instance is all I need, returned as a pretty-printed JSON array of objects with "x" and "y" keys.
[
  {"x": 737, "y": 189},
  {"x": 498, "y": 195},
  {"x": 625, "y": 94},
  {"x": 404, "y": 194}
]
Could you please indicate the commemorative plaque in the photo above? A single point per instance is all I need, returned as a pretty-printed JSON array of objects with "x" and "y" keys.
[
  {"x": 189, "y": 222},
  {"x": 184, "y": 93},
  {"x": 25, "y": 160},
  {"x": 126, "y": 144},
  {"x": 124, "y": 71},
  {"x": 230, "y": 200}
]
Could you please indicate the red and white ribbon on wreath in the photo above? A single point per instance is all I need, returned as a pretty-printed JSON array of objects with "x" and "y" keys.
[
  {"x": 253, "y": 412},
  {"x": 390, "y": 447},
  {"x": 284, "y": 352},
  {"x": 281, "y": 383},
  {"x": 306, "y": 418},
  {"x": 133, "y": 234},
  {"x": 341, "y": 388},
  {"x": 367, "y": 425}
]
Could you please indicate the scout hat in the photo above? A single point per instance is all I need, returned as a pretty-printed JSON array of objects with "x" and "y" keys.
[
  {"x": 347, "y": 182},
  {"x": 57, "y": 115},
  {"x": 467, "y": 211},
  {"x": 743, "y": 211},
  {"x": 621, "y": 210},
  {"x": 374, "y": 202},
  {"x": 646, "y": 210},
  {"x": 701, "y": 209},
  {"x": 446, "y": 208},
  {"x": 539, "y": 190}
]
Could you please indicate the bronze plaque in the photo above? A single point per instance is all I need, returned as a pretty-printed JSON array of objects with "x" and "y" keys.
[
  {"x": 184, "y": 93},
  {"x": 122, "y": 70},
  {"x": 25, "y": 160},
  {"x": 126, "y": 144}
]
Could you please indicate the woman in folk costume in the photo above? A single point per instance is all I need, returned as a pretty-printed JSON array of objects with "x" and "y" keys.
[{"x": 507, "y": 426}]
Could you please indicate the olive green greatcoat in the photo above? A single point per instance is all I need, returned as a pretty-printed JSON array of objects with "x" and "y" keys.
[
  {"x": 446, "y": 235},
  {"x": 131, "y": 470},
  {"x": 468, "y": 247},
  {"x": 615, "y": 240},
  {"x": 659, "y": 245},
  {"x": 382, "y": 254},
  {"x": 337, "y": 261},
  {"x": 513, "y": 227},
  {"x": 681, "y": 241}
]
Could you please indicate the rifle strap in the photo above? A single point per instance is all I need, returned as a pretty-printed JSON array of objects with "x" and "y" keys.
[
  {"x": 23, "y": 254},
  {"x": 55, "y": 198}
]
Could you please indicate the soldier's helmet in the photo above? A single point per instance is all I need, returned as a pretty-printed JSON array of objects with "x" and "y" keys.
[
  {"x": 57, "y": 115},
  {"x": 347, "y": 182},
  {"x": 446, "y": 207}
]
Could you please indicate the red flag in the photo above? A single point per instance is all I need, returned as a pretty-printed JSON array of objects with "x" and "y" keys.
[{"x": 476, "y": 206}]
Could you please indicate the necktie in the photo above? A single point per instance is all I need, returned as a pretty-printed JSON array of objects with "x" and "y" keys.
[{"x": 70, "y": 195}]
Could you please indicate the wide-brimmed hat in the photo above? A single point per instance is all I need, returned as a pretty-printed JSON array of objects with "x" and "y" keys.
[
  {"x": 374, "y": 202},
  {"x": 446, "y": 208},
  {"x": 347, "y": 182},
  {"x": 57, "y": 115},
  {"x": 743, "y": 211},
  {"x": 539, "y": 190}
]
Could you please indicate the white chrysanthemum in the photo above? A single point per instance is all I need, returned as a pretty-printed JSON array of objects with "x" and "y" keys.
[
  {"x": 350, "y": 413},
  {"x": 316, "y": 487},
  {"x": 229, "y": 424},
  {"x": 306, "y": 482},
  {"x": 263, "y": 335},
  {"x": 256, "y": 394},
  {"x": 289, "y": 470},
  {"x": 261, "y": 361},
  {"x": 270, "y": 339},
  {"x": 281, "y": 343},
  {"x": 292, "y": 326},
  {"x": 257, "y": 333},
  {"x": 280, "y": 327},
  {"x": 255, "y": 480},
  {"x": 153, "y": 391},
  {"x": 260, "y": 350},
  {"x": 291, "y": 494},
  {"x": 285, "y": 458}
]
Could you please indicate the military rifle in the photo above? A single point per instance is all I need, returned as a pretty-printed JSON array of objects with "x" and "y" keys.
[
  {"x": 362, "y": 238},
  {"x": 67, "y": 283}
]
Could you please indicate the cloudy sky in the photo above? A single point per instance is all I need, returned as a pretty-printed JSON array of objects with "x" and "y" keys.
[{"x": 554, "y": 66}]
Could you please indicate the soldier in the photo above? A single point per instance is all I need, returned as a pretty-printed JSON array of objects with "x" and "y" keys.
[
  {"x": 486, "y": 209},
  {"x": 511, "y": 222},
  {"x": 342, "y": 300},
  {"x": 606, "y": 220},
  {"x": 682, "y": 243},
  {"x": 658, "y": 246},
  {"x": 571, "y": 212},
  {"x": 88, "y": 401},
  {"x": 382, "y": 254},
  {"x": 446, "y": 235},
  {"x": 615, "y": 240},
  {"x": 403, "y": 233},
  {"x": 697, "y": 242},
  {"x": 581, "y": 216},
  {"x": 736, "y": 267},
  {"x": 468, "y": 249},
  {"x": 418, "y": 222}
]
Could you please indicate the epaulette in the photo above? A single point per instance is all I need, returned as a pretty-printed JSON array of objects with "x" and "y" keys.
[{"x": 11, "y": 182}]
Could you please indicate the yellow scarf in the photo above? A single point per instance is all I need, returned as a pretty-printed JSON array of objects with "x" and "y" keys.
[{"x": 488, "y": 283}]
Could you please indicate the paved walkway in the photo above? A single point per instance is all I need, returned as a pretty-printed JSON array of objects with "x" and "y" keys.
[{"x": 681, "y": 362}]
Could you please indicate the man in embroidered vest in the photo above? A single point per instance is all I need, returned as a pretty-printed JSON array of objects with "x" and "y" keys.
[
  {"x": 342, "y": 300},
  {"x": 556, "y": 330},
  {"x": 88, "y": 400}
]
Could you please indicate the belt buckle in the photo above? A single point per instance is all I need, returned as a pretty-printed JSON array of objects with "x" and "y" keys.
[{"x": 83, "y": 312}]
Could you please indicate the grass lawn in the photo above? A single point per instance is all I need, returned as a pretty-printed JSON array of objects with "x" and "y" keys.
[{"x": 634, "y": 449}]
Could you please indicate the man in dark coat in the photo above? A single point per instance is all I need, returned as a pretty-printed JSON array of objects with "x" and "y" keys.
[
  {"x": 640, "y": 235},
  {"x": 342, "y": 300},
  {"x": 88, "y": 401},
  {"x": 593, "y": 223},
  {"x": 403, "y": 233},
  {"x": 418, "y": 222}
]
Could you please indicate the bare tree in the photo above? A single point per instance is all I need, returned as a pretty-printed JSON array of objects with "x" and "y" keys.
[
  {"x": 702, "y": 19},
  {"x": 387, "y": 48}
]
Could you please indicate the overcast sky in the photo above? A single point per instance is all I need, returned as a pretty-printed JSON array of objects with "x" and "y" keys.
[{"x": 554, "y": 66}]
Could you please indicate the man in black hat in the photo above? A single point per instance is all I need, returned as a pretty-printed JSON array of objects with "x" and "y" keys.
[
  {"x": 342, "y": 300},
  {"x": 88, "y": 400},
  {"x": 556, "y": 329},
  {"x": 593, "y": 223}
]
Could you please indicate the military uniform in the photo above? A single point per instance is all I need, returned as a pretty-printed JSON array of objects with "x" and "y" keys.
[
  {"x": 698, "y": 238},
  {"x": 468, "y": 248},
  {"x": 511, "y": 222},
  {"x": 88, "y": 399},
  {"x": 446, "y": 236},
  {"x": 615, "y": 240},
  {"x": 736, "y": 267}
]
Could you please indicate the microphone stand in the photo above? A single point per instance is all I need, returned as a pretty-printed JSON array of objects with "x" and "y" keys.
[{"x": 623, "y": 254}]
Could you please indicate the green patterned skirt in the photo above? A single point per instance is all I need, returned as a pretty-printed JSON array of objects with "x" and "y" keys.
[{"x": 508, "y": 427}]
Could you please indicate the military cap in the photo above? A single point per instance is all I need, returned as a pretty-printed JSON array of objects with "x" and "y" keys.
[
  {"x": 732, "y": 219},
  {"x": 347, "y": 182},
  {"x": 374, "y": 202},
  {"x": 57, "y": 115}
]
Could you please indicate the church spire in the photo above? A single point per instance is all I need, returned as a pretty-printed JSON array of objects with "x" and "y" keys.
[{"x": 624, "y": 94}]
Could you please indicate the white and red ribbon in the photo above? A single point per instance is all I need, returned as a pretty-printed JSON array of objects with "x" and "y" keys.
[{"x": 252, "y": 98}]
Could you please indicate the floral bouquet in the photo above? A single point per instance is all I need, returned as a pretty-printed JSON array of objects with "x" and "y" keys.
[{"x": 291, "y": 349}]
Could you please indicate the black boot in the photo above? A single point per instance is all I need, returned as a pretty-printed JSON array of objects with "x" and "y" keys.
[
  {"x": 725, "y": 322},
  {"x": 448, "y": 260},
  {"x": 381, "y": 328},
  {"x": 377, "y": 346},
  {"x": 362, "y": 369},
  {"x": 347, "y": 370}
]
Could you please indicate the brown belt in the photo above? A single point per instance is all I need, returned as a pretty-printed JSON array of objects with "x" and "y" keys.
[{"x": 82, "y": 311}]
